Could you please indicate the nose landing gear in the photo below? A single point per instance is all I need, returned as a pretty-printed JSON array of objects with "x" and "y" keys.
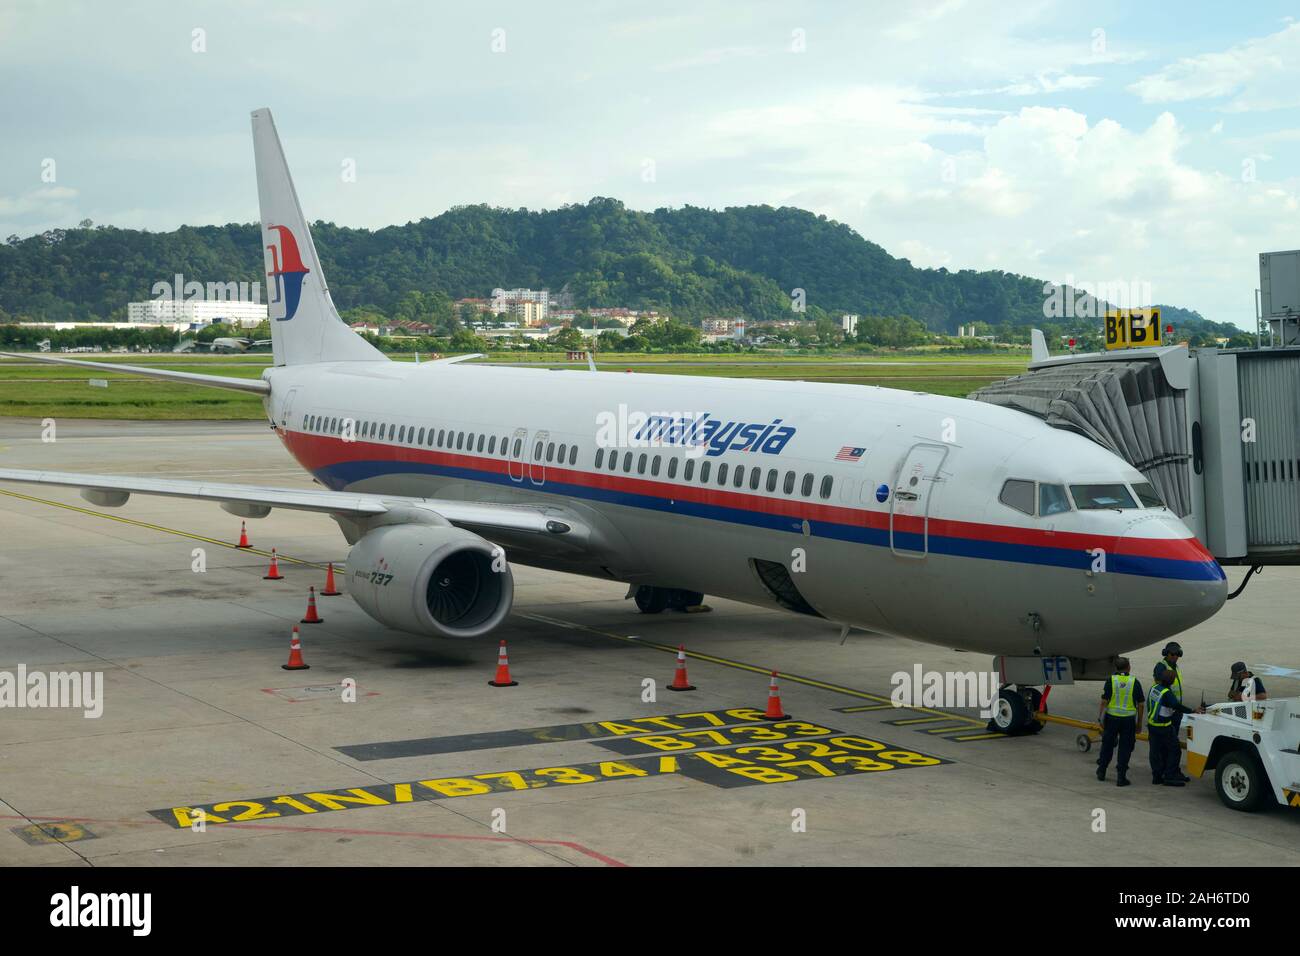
[{"x": 1014, "y": 709}]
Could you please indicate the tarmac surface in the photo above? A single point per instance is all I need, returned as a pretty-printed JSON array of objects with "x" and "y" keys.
[{"x": 208, "y": 753}]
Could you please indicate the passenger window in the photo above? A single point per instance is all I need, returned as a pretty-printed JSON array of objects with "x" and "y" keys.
[
  {"x": 600, "y": 456},
  {"x": 401, "y": 434},
  {"x": 573, "y": 454},
  {"x": 689, "y": 469},
  {"x": 537, "y": 452},
  {"x": 442, "y": 437},
  {"x": 704, "y": 471},
  {"x": 460, "y": 440},
  {"x": 432, "y": 435},
  {"x": 806, "y": 488},
  {"x": 654, "y": 466},
  {"x": 827, "y": 481},
  {"x": 469, "y": 441},
  {"x": 627, "y": 463},
  {"x": 420, "y": 440},
  {"x": 738, "y": 478},
  {"x": 392, "y": 431},
  {"x": 788, "y": 486},
  {"x": 1018, "y": 494},
  {"x": 640, "y": 465},
  {"x": 771, "y": 479},
  {"x": 613, "y": 460},
  {"x": 1148, "y": 495},
  {"x": 1100, "y": 497},
  {"x": 755, "y": 476},
  {"x": 492, "y": 445},
  {"x": 559, "y": 455},
  {"x": 550, "y": 451},
  {"x": 672, "y": 467},
  {"x": 519, "y": 442},
  {"x": 480, "y": 442},
  {"x": 1052, "y": 500},
  {"x": 722, "y": 473}
]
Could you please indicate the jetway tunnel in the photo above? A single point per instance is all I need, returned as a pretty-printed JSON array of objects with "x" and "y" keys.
[{"x": 1217, "y": 431}]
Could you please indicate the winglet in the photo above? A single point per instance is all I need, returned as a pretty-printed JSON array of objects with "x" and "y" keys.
[{"x": 1038, "y": 346}]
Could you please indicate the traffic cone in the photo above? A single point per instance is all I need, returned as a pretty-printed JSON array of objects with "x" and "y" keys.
[
  {"x": 273, "y": 572},
  {"x": 312, "y": 617},
  {"x": 330, "y": 590},
  {"x": 295, "y": 654},
  {"x": 503, "y": 670},
  {"x": 679, "y": 679},
  {"x": 774, "y": 710},
  {"x": 243, "y": 536}
]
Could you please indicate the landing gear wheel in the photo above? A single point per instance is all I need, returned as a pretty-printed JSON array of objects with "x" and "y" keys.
[
  {"x": 651, "y": 600},
  {"x": 1012, "y": 714},
  {"x": 679, "y": 600},
  {"x": 1083, "y": 742},
  {"x": 1240, "y": 781}
]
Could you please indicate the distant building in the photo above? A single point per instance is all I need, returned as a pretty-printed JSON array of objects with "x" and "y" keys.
[
  {"x": 849, "y": 323},
  {"x": 196, "y": 312},
  {"x": 515, "y": 301}
]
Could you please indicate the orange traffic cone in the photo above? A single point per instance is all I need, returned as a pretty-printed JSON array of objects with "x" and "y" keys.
[
  {"x": 679, "y": 679},
  {"x": 243, "y": 536},
  {"x": 330, "y": 590},
  {"x": 312, "y": 617},
  {"x": 295, "y": 654},
  {"x": 774, "y": 710},
  {"x": 273, "y": 572},
  {"x": 503, "y": 670}
]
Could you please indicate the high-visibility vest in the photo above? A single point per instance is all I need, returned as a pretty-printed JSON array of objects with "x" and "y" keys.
[
  {"x": 1153, "y": 708},
  {"x": 1177, "y": 685},
  {"x": 1121, "y": 696}
]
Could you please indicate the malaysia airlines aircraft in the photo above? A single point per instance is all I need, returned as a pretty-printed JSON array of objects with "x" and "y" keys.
[{"x": 943, "y": 520}]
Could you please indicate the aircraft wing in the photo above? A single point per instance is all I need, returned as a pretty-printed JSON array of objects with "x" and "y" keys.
[
  {"x": 257, "y": 385},
  {"x": 523, "y": 518}
]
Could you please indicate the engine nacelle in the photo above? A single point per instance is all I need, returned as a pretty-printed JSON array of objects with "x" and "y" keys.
[{"x": 431, "y": 579}]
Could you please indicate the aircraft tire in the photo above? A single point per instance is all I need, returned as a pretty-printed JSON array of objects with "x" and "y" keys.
[{"x": 650, "y": 600}]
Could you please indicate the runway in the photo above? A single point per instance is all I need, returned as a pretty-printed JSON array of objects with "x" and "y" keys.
[{"x": 572, "y": 767}]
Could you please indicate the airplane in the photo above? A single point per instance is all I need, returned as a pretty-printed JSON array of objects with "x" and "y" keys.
[
  {"x": 947, "y": 521},
  {"x": 238, "y": 344}
]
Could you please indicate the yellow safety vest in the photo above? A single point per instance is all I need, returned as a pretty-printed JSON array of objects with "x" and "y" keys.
[
  {"x": 1153, "y": 708},
  {"x": 1177, "y": 685},
  {"x": 1121, "y": 696}
]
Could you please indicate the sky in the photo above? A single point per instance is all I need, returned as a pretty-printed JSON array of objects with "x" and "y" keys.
[{"x": 1155, "y": 145}]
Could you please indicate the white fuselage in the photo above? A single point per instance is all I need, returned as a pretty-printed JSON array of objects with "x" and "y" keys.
[{"x": 908, "y": 537}]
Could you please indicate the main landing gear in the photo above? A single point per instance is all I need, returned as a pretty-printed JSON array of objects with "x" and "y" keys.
[
  {"x": 1014, "y": 709},
  {"x": 652, "y": 600}
]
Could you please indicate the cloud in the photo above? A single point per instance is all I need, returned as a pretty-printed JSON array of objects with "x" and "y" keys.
[{"x": 1259, "y": 74}]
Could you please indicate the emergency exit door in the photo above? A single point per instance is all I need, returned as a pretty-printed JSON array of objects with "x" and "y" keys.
[{"x": 909, "y": 501}]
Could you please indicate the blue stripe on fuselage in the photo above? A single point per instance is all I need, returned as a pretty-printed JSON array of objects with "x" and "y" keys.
[{"x": 341, "y": 475}]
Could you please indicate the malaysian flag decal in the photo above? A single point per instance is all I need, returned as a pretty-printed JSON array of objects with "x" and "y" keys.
[{"x": 849, "y": 453}]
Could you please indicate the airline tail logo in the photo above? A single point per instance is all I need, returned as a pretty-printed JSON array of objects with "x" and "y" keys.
[{"x": 287, "y": 273}]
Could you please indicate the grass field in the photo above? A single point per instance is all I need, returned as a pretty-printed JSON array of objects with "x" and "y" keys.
[{"x": 34, "y": 390}]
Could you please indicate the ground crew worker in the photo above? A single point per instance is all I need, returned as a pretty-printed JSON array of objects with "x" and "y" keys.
[
  {"x": 1239, "y": 678},
  {"x": 1173, "y": 653},
  {"x": 1162, "y": 734},
  {"x": 1120, "y": 715}
]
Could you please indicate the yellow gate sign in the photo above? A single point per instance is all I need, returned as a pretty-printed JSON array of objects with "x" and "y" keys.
[{"x": 1132, "y": 328}]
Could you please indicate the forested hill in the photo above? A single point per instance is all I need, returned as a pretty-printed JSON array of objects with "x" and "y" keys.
[{"x": 688, "y": 262}]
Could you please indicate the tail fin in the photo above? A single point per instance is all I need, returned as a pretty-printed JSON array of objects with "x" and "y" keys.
[{"x": 305, "y": 326}]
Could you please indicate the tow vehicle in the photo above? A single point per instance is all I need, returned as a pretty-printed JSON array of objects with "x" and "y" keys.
[{"x": 1253, "y": 747}]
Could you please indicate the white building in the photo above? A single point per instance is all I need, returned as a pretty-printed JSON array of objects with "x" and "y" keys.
[
  {"x": 849, "y": 323},
  {"x": 517, "y": 301},
  {"x": 196, "y": 312}
]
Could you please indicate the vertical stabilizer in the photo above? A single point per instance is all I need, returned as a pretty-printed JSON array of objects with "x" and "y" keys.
[{"x": 305, "y": 326}]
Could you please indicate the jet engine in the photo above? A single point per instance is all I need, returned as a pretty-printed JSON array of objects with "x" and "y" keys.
[{"x": 431, "y": 579}]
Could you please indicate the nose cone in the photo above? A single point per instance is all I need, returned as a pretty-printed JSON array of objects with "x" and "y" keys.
[{"x": 1166, "y": 582}]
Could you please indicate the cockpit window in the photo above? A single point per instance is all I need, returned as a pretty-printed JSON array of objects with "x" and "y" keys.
[
  {"x": 1100, "y": 497},
  {"x": 1019, "y": 495},
  {"x": 1148, "y": 495},
  {"x": 1052, "y": 500}
]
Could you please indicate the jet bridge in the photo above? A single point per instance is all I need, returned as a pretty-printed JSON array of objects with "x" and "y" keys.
[{"x": 1216, "y": 431}]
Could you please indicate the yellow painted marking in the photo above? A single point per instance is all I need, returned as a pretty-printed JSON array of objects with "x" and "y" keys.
[
  {"x": 918, "y": 720},
  {"x": 978, "y": 737},
  {"x": 944, "y": 730},
  {"x": 865, "y": 707}
]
